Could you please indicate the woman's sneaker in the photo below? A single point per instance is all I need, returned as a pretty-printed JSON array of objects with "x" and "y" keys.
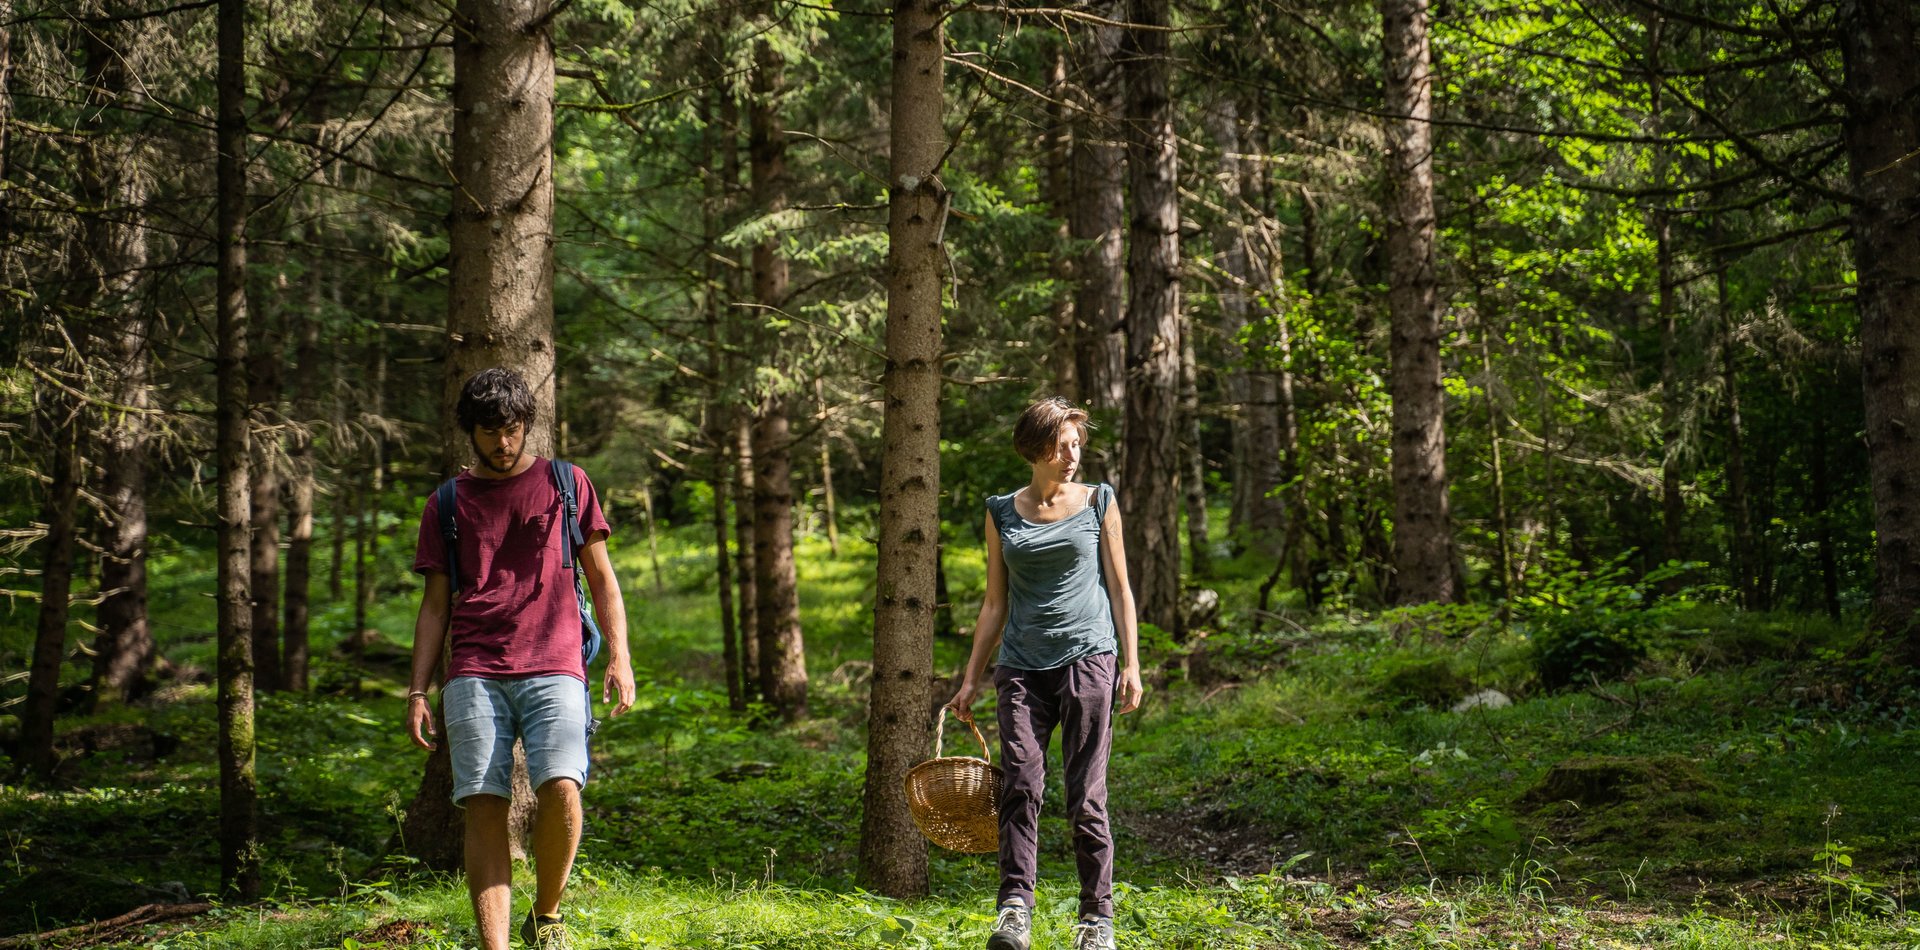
[
  {"x": 1012, "y": 929},
  {"x": 1093, "y": 933}
]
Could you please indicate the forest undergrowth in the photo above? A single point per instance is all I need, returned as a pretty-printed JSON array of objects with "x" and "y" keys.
[{"x": 1655, "y": 770}]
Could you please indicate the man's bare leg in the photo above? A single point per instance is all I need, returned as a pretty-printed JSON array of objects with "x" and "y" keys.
[
  {"x": 489, "y": 869},
  {"x": 556, "y": 838}
]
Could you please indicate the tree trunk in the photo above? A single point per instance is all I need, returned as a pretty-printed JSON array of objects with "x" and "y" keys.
[
  {"x": 1056, "y": 143},
  {"x": 1422, "y": 535},
  {"x": 1823, "y": 519},
  {"x": 501, "y": 231},
  {"x": 745, "y": 572},
  {"x": 1672, "y": 505},
  {"x": 58, "y": 419},
  {"x": 239, "y": 791},
  {"x": 783, "y": 666},
  {"x": 783, "y": 670},
  {"x": 6, "y": 126},
  {"x": 893, "y": 855},
  {"x": 1148, "y": 497},
  {"x": 720, "y": 367},
  {"x": 300, "y": 483},
  {"x": 1193, "y": 483},
  {"x": 264, "y": 547},
  {"x": 112, "y": 179},
  {"x": 1739, "y": 509},
  {"x": 1096, "y": 217},
  {"x": 336, "y": 567},
  {"x": 719, "y": 430},
  {"x": 500, "y": 304},
  {"x": 827, "y": 502},
  {"x": 1877, "y": 41},
  {"x": 373, "y": 486},
  {"x": 1259, "y": 510}
]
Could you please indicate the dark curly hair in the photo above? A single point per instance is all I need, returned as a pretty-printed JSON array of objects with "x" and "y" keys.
[{"x": 494, "y": 398}]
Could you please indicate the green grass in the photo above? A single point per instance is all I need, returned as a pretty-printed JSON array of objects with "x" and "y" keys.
[{"x": 1320, "y": 748}]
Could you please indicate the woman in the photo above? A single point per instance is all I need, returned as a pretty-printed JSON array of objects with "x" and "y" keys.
[{"x": 1058, "y": 608}]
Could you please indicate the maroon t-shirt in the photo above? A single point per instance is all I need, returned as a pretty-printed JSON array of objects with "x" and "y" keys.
[{"x": 515, "y": 613}]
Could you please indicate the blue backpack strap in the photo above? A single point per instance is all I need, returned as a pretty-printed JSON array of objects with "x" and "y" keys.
[
  {"x": 1102, "y": 498},
  {"x": 448, "y": 503},
  {"x": 590, "y": 634},
  {"x": 569, "y": 497}
]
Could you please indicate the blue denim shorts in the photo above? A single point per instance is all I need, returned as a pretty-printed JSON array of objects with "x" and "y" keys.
[{"x": 548, "y": 714}]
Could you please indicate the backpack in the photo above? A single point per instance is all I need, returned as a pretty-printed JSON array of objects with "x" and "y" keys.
[{"x": 590, "y": 637}]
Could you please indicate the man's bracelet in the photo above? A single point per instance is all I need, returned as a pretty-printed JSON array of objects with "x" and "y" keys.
[{"x": 416, "y": 692}]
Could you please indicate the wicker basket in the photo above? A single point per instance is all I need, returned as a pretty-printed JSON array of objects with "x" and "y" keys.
[{"x": 956, "y": 799}]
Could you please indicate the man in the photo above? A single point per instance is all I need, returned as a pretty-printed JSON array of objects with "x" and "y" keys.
[{"x": 517, "y": 668}]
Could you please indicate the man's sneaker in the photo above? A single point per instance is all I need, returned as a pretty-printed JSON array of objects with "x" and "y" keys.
[
  {"x": 544, "y": 933},
  {"x": 1093, "y": 933},
  {"x": 1012, "y": 929}
]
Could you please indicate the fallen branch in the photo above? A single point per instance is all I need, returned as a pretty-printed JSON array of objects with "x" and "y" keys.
[{"x": 137, "y": 917}]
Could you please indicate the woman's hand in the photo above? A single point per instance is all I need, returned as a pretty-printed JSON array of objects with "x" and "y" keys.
[
  {"x": 962, "y": 701},
  {"x": 1130, "y": 690}
]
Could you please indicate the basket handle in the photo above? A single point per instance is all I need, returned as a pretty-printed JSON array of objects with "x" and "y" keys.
[{"x": 939, "y": 734}]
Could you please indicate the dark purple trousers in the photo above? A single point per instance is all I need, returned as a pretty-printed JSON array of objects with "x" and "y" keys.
[{"x": 1078, "y": 698}]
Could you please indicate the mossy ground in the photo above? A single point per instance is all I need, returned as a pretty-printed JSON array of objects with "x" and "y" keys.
[{"x": 1300, "y": 787}]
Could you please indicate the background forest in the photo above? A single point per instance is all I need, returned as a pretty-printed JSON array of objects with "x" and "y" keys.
[{"x": 1512, "y": 407}]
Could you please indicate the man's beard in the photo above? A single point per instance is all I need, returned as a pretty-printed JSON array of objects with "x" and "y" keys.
[{"x": 487, "y": 460}]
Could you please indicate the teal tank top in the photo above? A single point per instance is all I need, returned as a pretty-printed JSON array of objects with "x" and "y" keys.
[{"x": 1057, "y": 606}]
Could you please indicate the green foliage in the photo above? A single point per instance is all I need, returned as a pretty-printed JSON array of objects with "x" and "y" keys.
[{"x": 1597, "y": 627}]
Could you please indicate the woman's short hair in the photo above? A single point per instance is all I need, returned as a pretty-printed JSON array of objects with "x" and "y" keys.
[
  {"x": 1037, "y": 433},
  {"x": 494, "y": 399}
]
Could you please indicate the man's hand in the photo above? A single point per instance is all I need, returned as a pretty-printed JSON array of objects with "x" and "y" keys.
[
  {"x": 618, "y": 681},
  {"x": 962, "y": 701},
  {"x": 420, "y": 722},
  {"x": 1130, "y": 690}
]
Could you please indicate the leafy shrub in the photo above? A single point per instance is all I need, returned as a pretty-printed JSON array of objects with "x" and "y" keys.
[{"x": 1600, "y": 626}]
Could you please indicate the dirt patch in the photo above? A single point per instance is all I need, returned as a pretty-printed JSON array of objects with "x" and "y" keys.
[
  {"x": 1206, "y": 835},
  {"x": 400, "y": 932}
]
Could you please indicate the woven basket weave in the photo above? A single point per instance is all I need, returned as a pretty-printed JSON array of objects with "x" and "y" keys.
[{"x": 956, "y": 799}]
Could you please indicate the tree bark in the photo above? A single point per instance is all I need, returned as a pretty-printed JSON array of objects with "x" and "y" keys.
[
  {"x": 1259, "y": 512},
  {"x": 263, "y": 384},
  {"x": 6, "y": 126},
  {"x": 1882, "y": 129},
  {"x": 501, "y": 232},
  {"x": 1739, "y": 508},
  {"x": 1148, "y": 496},
  {"x": 372, "y": 487},
  {"x": 1422, "y": 535},
  {"x": 112, "y": 180},
  {"x": 719, "y": 431},
  {"x": 893, "y": 855},
  {"x": 58, "y": 420},
  {"x": 239, "y": 790},
  {"x": 1096, "y": 216},
  {"x": 745, "y": 572},
  {"x": 1062, "y": 360},
  {"x": 1672, "y": 504},
  {"x": 1822, "y": 491},
  {"x": 783, "y": 667},
  {"x": 1193, "y": 483},
  {"x": 300, "y": 484},
  {"x": 782, "y": 653},
  {"x": 828, "y": 504},
  {"x": 720, "y": 366},
  {"x": 500, "y": 304}
]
